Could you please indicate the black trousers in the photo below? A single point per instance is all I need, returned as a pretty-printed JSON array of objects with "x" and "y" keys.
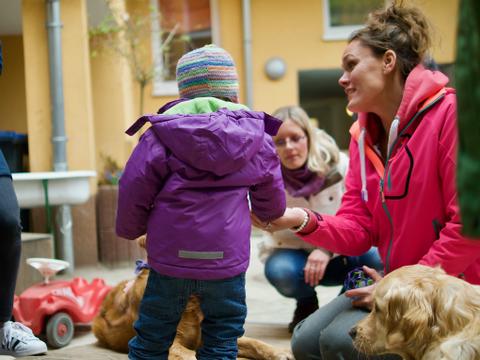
[{"x": 10, "y": 246}]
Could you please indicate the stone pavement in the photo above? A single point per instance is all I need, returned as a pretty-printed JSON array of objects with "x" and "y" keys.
[{"x": 268, "y": 312}]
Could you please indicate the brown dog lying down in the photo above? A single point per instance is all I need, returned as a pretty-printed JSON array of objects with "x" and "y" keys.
[
  {"x": 422, "y": 313},
  {"x": 113, "y": 326}
]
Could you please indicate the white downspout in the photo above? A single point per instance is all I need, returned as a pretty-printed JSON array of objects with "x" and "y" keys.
[
  {"x": 247, "y": 52},
  {"x": 64, "y": 245}
]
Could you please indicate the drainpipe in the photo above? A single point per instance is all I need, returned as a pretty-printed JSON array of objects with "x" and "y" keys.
[
  {"x": 247, "y": 52},
  {"x": 64, "y": 245}
]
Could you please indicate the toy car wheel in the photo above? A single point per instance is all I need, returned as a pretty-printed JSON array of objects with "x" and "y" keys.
[{"x": 59, "y": 330}]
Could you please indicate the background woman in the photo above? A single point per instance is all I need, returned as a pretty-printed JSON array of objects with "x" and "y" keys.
[{"x": 313, "y": 171}]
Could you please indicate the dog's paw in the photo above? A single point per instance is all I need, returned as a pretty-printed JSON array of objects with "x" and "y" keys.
[{"x": 285, "y": 354}]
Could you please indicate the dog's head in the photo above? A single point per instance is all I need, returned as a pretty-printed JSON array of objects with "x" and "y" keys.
[{"x": 414, "y": 308}]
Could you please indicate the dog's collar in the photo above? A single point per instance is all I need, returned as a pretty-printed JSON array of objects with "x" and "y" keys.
[{"x": 140, "y": 265}]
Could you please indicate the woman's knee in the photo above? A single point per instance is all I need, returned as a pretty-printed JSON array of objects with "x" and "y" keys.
[
  {"x": 335, "y": 341},
  {"x": 284, "y": 275},
  {"x": 304, "y": 344}
]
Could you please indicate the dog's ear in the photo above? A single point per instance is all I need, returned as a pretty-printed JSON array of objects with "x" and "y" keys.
[
  {"x": 409, "y": 314},
  {"x": 419, "y": 314}
]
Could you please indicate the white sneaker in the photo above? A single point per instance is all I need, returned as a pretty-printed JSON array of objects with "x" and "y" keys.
[{"x": 18, "y": 340}]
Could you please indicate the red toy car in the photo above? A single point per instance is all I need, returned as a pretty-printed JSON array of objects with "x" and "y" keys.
[{"x": 54, "y": 307}]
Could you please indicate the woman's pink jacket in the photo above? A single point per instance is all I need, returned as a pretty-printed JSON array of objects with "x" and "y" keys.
[{"x": 406, "y": 205}]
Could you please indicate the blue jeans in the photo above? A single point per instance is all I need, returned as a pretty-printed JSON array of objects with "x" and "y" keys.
[
  {"x": 284, "y": 270},
  {"x": 223, "y": 306}
]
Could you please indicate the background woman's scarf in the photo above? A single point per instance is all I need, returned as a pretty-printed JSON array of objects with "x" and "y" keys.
[{"x": 302, "y": 182}]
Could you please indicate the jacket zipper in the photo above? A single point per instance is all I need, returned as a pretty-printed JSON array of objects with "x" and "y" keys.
[{"x": 385, "y": 174}]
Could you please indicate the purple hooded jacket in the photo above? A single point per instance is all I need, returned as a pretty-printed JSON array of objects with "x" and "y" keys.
[{"x": 186, "y": 185}]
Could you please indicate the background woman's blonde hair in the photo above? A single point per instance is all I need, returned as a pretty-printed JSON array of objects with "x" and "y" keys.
[
  {"x": 323, "y": 152},
  {"x": 400, "y": 28}
]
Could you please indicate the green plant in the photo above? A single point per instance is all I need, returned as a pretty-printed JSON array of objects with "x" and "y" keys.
[
  {"x": 111, "y": 171},
  {"x": 125, "y": 34}
]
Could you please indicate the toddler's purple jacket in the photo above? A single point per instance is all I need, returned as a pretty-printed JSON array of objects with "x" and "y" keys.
[{"x": 186, "y": 184}]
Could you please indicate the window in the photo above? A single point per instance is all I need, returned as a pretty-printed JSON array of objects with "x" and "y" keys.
[
  {"x": 181, "y": 26},
  {"x": 342, "y": 17}
]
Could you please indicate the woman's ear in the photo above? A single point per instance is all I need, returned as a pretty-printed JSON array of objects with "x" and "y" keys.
[{"x": 389, "y": 61}]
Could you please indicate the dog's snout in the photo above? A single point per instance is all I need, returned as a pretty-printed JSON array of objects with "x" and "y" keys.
[{"x": 353, "y": 332}]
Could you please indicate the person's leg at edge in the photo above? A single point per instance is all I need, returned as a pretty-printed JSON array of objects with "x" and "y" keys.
[
  {"x": 305, "y": 338},
  {"x": 15, "y": 338},
  {"x": 10, "y": 246},
  {"x": 284, "y": 270},
  {"x": 335, "y": 342},
  {"x": 224, "y": 307},
  {"x": 160, "y": 311}
]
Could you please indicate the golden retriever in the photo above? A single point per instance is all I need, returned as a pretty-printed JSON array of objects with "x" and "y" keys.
[
  {"x": 422, "y": 313},
  {"x": 113, "y": 326}
]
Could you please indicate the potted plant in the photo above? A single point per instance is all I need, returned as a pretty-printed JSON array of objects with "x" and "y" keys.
[{"x": 112, "y": 250}]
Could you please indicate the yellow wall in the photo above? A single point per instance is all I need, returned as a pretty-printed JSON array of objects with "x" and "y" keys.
[
  {"x": 36, "y": 80},
  {"x": 76, "y": 85},
  {"x": 151, "y": 103},
  {"x": 116, "y": 94},
  {"x": 443, "y": 16},
  {"x": 79, "y": 124},
  {"x": 98, "y": 110},
  {"x": 294, "y": 32},
  {"x": 113, "y": 101},
  {"x": 231, "y": 38},
  {"x": 13, "y": 115}
]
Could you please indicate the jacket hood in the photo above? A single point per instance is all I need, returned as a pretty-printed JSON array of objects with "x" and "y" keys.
[
  {"x": 420, "y": 85},
  {"x": 210, "y": 134}
]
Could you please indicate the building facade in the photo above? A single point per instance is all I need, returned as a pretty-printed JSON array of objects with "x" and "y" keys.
[{"x": 287, "y": 52}]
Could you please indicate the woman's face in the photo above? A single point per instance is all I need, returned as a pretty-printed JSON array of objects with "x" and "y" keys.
[
  {"x": 292, "y": 145},
  {"x": 363, "y": 77}
]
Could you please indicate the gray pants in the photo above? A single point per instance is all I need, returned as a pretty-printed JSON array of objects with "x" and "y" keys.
[{"x": 324, "y": 334}]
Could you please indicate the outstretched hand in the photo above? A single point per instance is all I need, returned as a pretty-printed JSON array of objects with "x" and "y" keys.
[
  {"x": 292, "y": 217},
  {"x": 363, "y": 297}
]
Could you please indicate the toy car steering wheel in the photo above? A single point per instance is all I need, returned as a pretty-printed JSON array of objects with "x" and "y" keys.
[{"x": 47, "y": 267}]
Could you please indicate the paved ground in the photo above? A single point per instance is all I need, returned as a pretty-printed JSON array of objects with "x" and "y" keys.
[{"x": 267, "y": 319}]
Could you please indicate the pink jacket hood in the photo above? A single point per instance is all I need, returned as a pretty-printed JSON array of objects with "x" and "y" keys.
[{"x": 405, "y": 204}]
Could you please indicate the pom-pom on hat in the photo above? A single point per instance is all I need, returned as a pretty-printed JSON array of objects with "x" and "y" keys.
[{"x": 207, "y": 71}]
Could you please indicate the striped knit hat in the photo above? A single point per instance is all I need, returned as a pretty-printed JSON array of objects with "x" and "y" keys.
[{"x": 207, "y": 71}]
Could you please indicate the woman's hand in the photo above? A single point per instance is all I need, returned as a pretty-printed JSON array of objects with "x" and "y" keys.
[
  {"x": 257, "y": 222},
  {"x": 363, "y": 297},
  {"x": 315, "y": 267},
  {"x": 292, "y": 217}
]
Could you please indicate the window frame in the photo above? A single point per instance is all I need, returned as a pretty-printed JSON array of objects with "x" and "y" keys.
[
  {"x": 161, "y": 87},
  {"x": 332, "y": 33}
]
